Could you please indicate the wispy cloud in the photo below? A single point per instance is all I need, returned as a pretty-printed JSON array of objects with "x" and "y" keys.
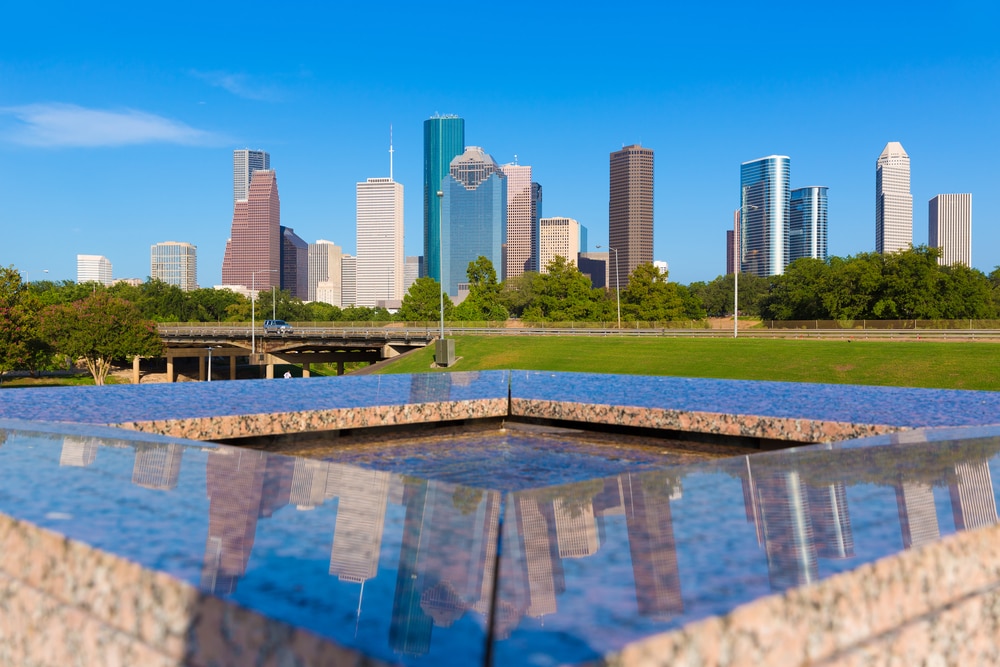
[
  {"x": 69, "y": 125},
  {"x": 240, "y": 85}
]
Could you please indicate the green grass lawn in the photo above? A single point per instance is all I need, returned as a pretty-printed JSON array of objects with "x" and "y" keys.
[{"x": 956, "y": 365}]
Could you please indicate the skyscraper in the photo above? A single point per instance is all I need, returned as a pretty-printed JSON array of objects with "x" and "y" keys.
[
  {"x": 380, "y": 241},
  {"x": 807, "y": 223},
  {"x": 245, "y": 163},
  {"x": 474, "y": 213},
  {"x": 324, "y": 267},
  {"x": 558, "y": 236},
  {"x": 521, "y": 247},
  {"x": 764, "y": 195},
  {"x": 348, "y": 280},
  {"x": 175, "y": 264},
  {"x": 893, "y": 201},
  {"x": 630, "y": 210},
  {"x": 444, "y": 139},
  {"x": 93, "y": 269},
  {"x": 294, "y": 263},
  {"x": 949, "y": 228},
  {"x": 253, "y": 251}
]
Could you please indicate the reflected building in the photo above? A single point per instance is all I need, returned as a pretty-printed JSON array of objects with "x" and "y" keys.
[
  {"x": 357, "y": 536},
  {"x": 430, "y": 387},
  {"x": 308, "y": 488},
  {"x": 789, "y": 541},
  {"x": 410, "y": 627},
  {"x": 831, "y": 522},
  {"x": 157, "y": 466},
  {"x": 234, "y": 482},
  {"x": 535, "y": 521},
  {"x": 764, "y": 216},
  {"x": 652, "y": 546},
  {"x": 973, "y": 503},
  {"x": 576, "y": 529},
  {"x": 917, "y": 514},
  {"x": 78, "y": 452}
]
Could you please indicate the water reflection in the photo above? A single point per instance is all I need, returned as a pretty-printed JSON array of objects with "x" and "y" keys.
[{"x": 406, "y": 566}]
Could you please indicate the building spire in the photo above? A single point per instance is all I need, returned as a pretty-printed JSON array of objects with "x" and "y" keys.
[{"x": 390, "y": 151}]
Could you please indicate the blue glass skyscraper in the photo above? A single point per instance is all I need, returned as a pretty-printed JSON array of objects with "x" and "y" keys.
[
  {"x": 764, "y": 200},
  {"x": 807, "y": 223},
  {"x": 475, "y": 215},
  {"x": 444, "y": 139}
]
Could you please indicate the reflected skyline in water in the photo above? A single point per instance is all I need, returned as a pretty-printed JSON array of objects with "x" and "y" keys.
[{"x": 411, "y": 563}]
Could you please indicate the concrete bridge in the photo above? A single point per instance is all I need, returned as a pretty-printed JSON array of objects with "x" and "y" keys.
[{"x": 304, "y": 346}]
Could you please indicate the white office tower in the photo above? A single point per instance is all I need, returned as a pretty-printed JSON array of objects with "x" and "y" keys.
[
  {"x": 379, "y": 262},
  {"x": 348, "y": 281},
  {"x": 175, "y": 264},
  {"x": 949, "y": 228},
  {"x": 558, "y": 236},
  {"x": 411, "y": 271},
  {"x": 245, "y": 163},
  {"x": 893, "y": 201},
  {"x": 324, "y": 269},
  {"x": 93, "y": 269}
]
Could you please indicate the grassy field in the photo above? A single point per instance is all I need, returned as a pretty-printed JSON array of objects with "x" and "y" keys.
[{"x": 896, "y": 363}]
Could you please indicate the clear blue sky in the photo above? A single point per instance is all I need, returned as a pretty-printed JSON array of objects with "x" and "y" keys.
[{"x": 117, "y": 123}]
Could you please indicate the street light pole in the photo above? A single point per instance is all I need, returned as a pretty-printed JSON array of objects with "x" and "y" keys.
[
  {"x": 209, "y": 363},
  {"x": 440, "y": 196},
  {"x": 618, "y": 293}
]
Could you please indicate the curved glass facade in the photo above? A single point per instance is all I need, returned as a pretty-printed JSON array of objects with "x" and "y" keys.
[
  {"x": 807, "y": 223},
  {"x": 475, "y": 216},
  {"x": 764, "y": 215}
]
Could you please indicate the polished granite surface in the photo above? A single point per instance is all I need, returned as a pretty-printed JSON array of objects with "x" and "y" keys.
[
  {"x": 894, "y": 406},
  {"x": 403, "y": 567}
]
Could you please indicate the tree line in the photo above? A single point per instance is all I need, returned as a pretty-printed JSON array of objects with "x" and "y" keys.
[{"x": 45, "y": 323}]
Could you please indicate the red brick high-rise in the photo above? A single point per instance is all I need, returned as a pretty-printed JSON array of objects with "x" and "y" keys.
[
  {"x": 253, "y": 251},
  {"x": 630, "y": 212}
]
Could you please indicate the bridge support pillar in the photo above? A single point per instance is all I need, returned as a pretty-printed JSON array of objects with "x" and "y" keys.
[
  {"x": 340, "y": 368},
  {"x": 135, "y": 369},
  {"x": 170, "y": 367},
  {"x": 270, "y": 372},
  {"x": 305, "y": 370},
  {"x": 232, "y": 367},
  {"x": 201, "y": 369}
]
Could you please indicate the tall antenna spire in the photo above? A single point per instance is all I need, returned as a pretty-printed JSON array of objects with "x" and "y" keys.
[{"x": 390, "y": 151}]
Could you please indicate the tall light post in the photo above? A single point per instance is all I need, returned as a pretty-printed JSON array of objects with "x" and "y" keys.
[
  {"x": 618, "y": 293},
  {"x": 440, "y": 196},
  {"x": 253, "y": 304},
  {"x": 209, "y": 363}
]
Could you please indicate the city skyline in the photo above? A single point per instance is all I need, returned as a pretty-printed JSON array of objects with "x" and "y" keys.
[{"x": 90, "y": 139}]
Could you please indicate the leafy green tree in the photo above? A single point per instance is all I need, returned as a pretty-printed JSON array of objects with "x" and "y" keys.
[
  {"x": 17, "y": 327},
  {"x": 365, "y": 314},
  {"x": 563, "y": 294},
  {"x": 798, "y": 293},
  {"x": 966, "y": 294},
  {"x": 650, "y": 297},
  {"x": 282, "y": 305},
  {"x": 519, "y": 292},
  {"x": 854, "y": 286},
  {"x": 483, "y": 302},
  {"x": 210, "y": 305},
  {"x": 100, "y": 329},
  {"x": 323, "y": 312},
  {"x": 422, "y": 302},
  {"x": 911, "y": 285}
]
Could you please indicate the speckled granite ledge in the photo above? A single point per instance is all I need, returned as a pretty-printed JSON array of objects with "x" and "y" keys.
[
  {"x": 94, "y": 608},
  {"x": 936, "y": 605}
]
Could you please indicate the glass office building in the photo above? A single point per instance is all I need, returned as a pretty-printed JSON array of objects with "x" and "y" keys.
[
  {"x": 764, "y": 217},
  {"x": 444, "y": 139},
  {"x": 807, "y": 223},
  {"x": 475, "y": 215},
  {"x": 175, "y": 264}
]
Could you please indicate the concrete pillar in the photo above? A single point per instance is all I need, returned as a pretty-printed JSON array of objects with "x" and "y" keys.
[
  {"x": 232, "y": 367},
  {"x": 201, "y": 368},
  {"x": 170, "y": 367},
  {"x": 135, "y": 369},
  {"x": 270, "y": 372},
  {"x": 340, "y": 368},
  {"x": 305, "y": 370}
]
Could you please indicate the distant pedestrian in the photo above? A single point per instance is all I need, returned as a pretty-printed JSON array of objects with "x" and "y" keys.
[{"x": 288, "y": 375}]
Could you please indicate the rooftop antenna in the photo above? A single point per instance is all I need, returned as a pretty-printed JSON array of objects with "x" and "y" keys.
[
  {"x": 515, "y": 158},
  {"x": 390, "y": 151}
]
